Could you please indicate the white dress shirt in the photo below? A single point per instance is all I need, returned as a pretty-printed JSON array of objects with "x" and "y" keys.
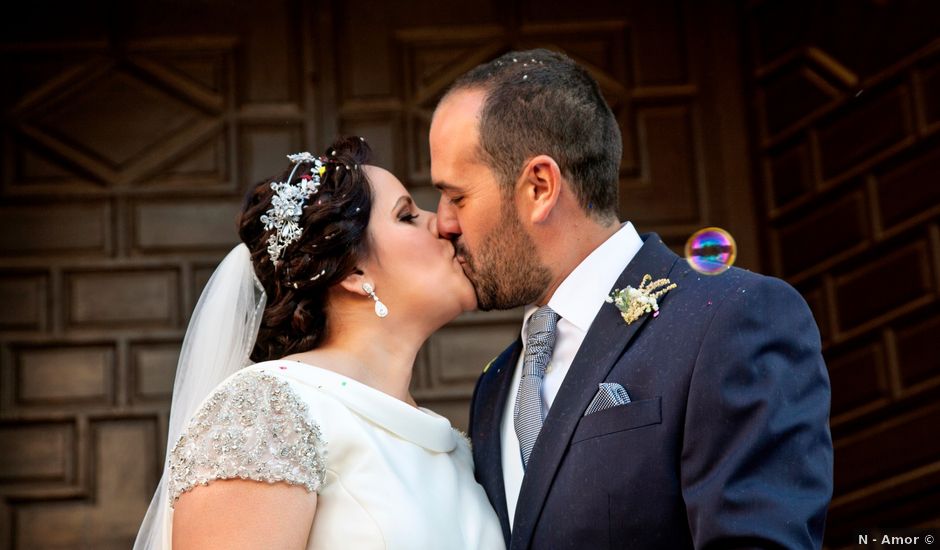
[{"x": 577, "y": 300}]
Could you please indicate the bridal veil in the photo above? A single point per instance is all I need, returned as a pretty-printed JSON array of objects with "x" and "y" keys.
[{"x": 218, "y": 343}]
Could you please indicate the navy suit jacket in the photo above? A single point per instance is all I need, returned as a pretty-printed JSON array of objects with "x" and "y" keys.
[{"x": 725, "y": 444}]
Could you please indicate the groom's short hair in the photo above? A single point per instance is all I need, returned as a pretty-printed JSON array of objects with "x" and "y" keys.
[{"x": 542, "y": 102}]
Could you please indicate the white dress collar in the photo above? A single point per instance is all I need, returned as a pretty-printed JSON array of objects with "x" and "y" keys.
[{"x": 417, "y": 425}]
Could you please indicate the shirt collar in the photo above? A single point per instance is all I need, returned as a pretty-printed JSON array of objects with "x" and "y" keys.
[{"x": 580, "y": 296}]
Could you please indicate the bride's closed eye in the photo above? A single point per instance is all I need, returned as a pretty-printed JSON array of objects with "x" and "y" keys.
[{"x": 405, "y": 206}]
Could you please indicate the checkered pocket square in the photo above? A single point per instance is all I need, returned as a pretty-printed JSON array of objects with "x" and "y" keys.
[{"x": 609, "y": 394}]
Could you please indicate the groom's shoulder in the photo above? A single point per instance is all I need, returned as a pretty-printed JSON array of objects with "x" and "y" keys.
[
  {"x": 732, "y": 278},
  {"x": 682, "y": 272},
  {"x": 655, "y": 253},
  {"x": 736, "y": 285}
]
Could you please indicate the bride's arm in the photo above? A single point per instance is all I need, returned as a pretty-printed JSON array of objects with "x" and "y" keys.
[
  {"x": 236, "y": 514},
  {"x": 246, "y": 471}
]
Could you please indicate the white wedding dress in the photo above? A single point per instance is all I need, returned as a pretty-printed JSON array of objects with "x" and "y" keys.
[{"x": 387, "y": 475}]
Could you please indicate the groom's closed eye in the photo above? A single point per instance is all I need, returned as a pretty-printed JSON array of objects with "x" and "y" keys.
[{"x": 452, "y": 193}]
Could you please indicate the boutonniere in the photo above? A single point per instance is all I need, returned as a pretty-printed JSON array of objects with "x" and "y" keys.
[{"x": 634, "y": 303}]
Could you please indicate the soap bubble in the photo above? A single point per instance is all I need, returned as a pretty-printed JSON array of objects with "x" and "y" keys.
[{"x": 710, "y": 251}]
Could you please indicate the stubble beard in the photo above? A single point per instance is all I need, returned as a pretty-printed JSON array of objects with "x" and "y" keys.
[{"x": 506, "y": 271}]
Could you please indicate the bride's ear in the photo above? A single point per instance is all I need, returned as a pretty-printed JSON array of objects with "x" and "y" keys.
[{"x": 354, "y": 281}]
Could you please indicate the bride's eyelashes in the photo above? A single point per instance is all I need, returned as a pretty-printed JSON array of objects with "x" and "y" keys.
[{"x": 408, "y": 218}]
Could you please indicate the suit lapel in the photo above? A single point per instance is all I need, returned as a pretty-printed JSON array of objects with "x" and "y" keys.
[
  {"x": 604, "y": 343},
  {"x": 488, "y": 418}
]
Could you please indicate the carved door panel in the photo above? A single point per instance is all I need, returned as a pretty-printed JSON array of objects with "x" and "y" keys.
[
  {"x": 130, "y": 132},
  {"x": 846, "y": 117}
]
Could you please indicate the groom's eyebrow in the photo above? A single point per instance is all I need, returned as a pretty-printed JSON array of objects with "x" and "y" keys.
[{"x": 444, "y": 186}]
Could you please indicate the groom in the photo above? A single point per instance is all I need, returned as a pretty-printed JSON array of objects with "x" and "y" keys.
[{"x": 703, "y": 424}]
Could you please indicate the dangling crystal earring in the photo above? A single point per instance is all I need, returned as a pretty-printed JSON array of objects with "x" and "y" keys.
[{"x": 380, "y": 309}]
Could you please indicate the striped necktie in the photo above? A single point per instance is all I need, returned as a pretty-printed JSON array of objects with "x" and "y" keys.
[{"x": 529, "y": 412}]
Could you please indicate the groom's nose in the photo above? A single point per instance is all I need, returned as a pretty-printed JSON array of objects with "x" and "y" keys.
[{"x": 447, "y": 225}]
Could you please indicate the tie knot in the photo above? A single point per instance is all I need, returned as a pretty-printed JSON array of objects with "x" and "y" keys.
[
  {"x": 541, "y": 324},
  {"x": 540, "y": 340}
]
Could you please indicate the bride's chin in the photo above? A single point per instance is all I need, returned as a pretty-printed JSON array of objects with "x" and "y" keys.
[
  {"x": 468, "y": 300},
  {"x": 452, "y": 302},
  {"x": 460, "y": 294},
  {"x": 469, "y": 305}
]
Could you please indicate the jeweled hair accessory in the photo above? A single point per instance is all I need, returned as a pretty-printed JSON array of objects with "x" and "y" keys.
[{"x": 287, "y": 205}]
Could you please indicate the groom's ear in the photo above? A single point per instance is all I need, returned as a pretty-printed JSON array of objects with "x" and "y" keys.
[
  {"x": 541, "y": 187},
  {"x": 354, "y": 281}
]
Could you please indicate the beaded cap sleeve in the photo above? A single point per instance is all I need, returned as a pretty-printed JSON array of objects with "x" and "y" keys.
[{"x": 253, "y": 427}]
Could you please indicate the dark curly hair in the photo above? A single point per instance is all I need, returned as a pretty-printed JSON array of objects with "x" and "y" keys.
[{"x": 334, "y": 223}]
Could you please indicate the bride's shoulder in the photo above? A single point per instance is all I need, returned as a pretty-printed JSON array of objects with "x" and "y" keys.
[
  {"x": 273, "y": 367},
  {"x": 253, "y": 426},
  {"x": 264, "y": 381},
  {"x": 277, "y": 373},
  {"x": 280, "y": 385}
]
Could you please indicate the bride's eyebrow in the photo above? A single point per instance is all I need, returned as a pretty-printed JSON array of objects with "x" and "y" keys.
[{"x": 402, "y": 199}]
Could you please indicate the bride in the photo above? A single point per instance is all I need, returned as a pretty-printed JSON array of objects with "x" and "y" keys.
[{"x": 318, "y": 444}]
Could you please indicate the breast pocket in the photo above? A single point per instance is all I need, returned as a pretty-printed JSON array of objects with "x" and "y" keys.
[{"x": 630, "y": 416}]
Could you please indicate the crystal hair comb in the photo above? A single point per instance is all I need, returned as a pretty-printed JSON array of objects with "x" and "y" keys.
[{"x": 287, "y": 205}]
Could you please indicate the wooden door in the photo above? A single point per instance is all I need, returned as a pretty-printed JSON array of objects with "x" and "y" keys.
[
  {"x": 130, "y": 131},
  {"x": 846, "y": 111}
]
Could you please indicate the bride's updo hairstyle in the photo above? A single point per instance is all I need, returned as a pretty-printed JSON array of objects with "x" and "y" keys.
[{"x": 334, "y": 224}]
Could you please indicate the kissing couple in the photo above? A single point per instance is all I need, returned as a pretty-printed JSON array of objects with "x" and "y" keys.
[{"x": 644, "y": 405}]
